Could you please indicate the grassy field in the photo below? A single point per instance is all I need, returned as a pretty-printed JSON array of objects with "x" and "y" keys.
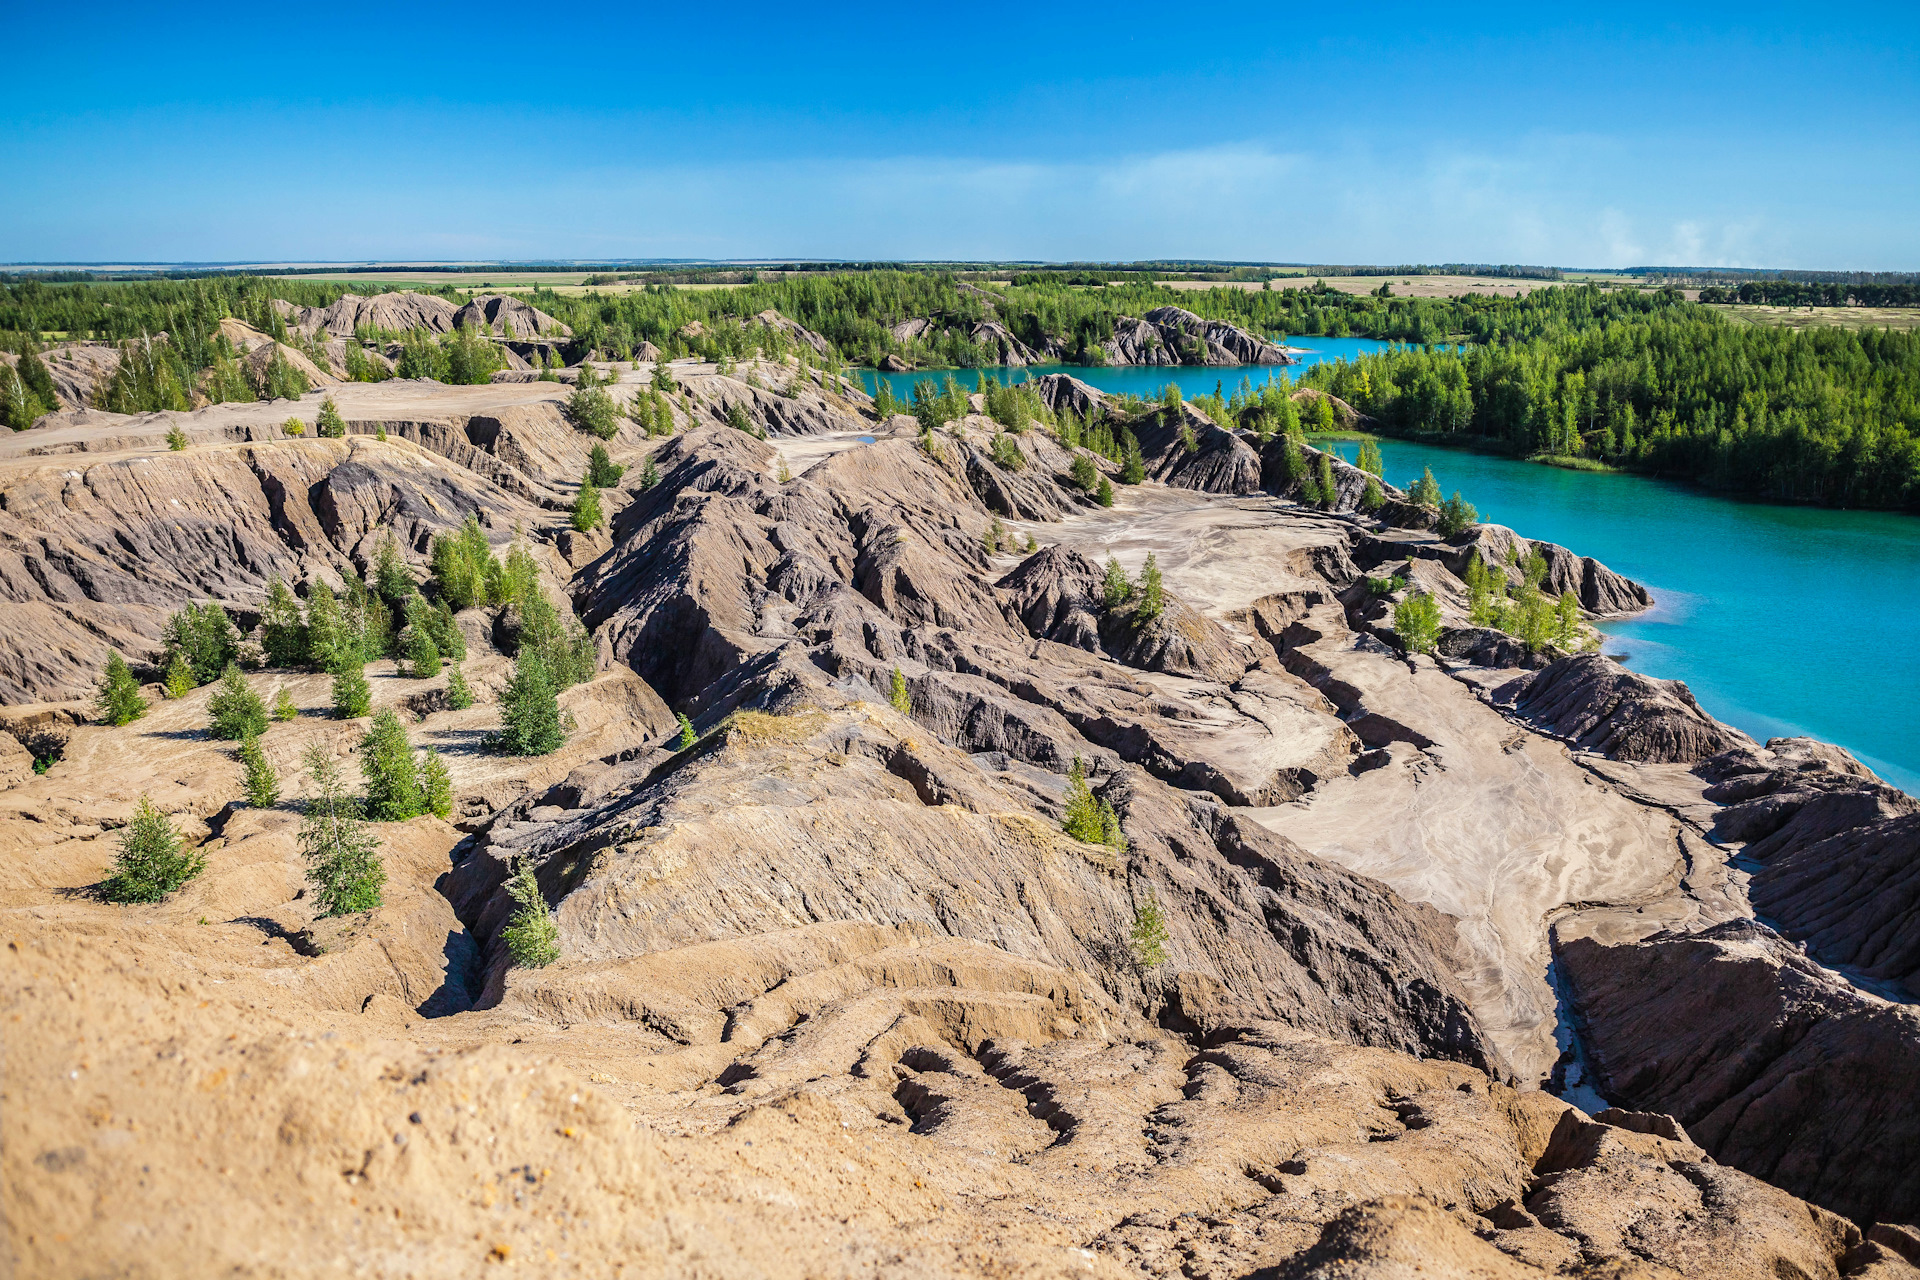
[{"x": 1825, "y": 317}]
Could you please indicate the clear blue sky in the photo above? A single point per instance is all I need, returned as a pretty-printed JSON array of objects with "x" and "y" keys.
[{"x": 1749, "y": 135}]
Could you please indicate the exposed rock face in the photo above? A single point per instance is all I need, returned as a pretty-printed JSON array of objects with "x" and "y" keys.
[
  {"x": 78, "y": 370},
  {"x": 1774, "y": 1065},
  {"x": 1172, "y": 336},
  {"x": 1600, "y": 590},
  {"x": 1064, "y": 393},
  {"x": 392, "y": 312},
  {"x": 1851, "y": 899},
  {"x": 1219, "y": 462},
  {"x": 794, "y": 332},
  {"x": 1600, "y": 706},
  {"x": 1057, "y": 593},
  {"x": 508, "y": 317}
]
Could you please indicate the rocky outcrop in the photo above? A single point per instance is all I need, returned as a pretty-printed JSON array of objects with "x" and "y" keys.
[
  {"x": 1063, "y": 393},
  {"x": 386, "y": 312},
  {"x": 1057, "y": 594},
  {"x": 1600, "y": 706},
  {"x": 1600, "y": 590},
  {"x": 506, "y": 316},
  {"x": 1172, "y": 336},
  {"x": 1776, "y": 1066},
  {"x": 1218, "y": 462},
  {"x": 78, "y": 369},
  {"x": 794, "y": 332}
]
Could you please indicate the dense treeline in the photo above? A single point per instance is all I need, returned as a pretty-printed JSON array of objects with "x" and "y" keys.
[
  {"x": 855, "y": 312},
  {"x": 1829, "y": 416},
  {"x": 1798, "y": 293}
]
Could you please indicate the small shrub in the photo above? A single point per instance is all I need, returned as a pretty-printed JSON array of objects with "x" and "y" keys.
[
  {"x": 151, "y": 864},
  {"x": 179, "y": 677},
  {"x": 283, "y": 708},
  {"x": 386, "y": 762},
  {"x": 119, "y": 699},
  {"x": 530, "y": 709},
  {"x": 331, "y": 426},
  {"x": 899, "y": 696},
  {"x": 294, "y": 427},
  {"x": 532, "y": 937},
  {"x": 176, "y": 438},
  {"x": 649, "y": 475},
  {"x": 1456, "y": 516},
  {"x": 423, "y": 655},
  {"x": 1153, "y": 598},
  {"x": 1149, "y": 936},
  {"x": 1104, "y": 494},
  {"x": 351, "y": 696},
  {"x": 1426, "y": 490},
  {"x": 1416, "y": 620},
  {"x": 342, "y": 855},
  {"x": 283, "y": 635},
  {"x": 1006, "y": 454},
  {"x": 687, "y": 736},
  {"x": 261, "y": 783},
  {"x": 1085, "y": 474},
  {"x": 459, "y": 693},
  {"x": 586, "y": 507},
  {"x": 1372, "y": 498},
  {"x": 236, "y": 710},
  {"x": 1116, "y": 588},
  {"x": 436, "y": 785},
  {"x": 1081, "y": 816},
  {"x": 601, "y": 469}
]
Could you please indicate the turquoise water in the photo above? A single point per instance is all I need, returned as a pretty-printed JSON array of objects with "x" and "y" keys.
[
  {"x": 1147, "y": 380},
  {"x": 1782, "y": 620}
]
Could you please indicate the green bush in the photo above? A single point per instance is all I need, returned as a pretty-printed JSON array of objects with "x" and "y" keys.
[
  {"x": 1080, "y": 817},
  {"x": 586, "y": 507},
  {"x": 283, "y": 634},
  {"x": 1426, "y": 490},
  {"x": 1149, "y": 936},
  {"x": 119, "y": 698},
  {"x": 1416, "y": 620},
  {"x": 436, "y": 785},
  {"x": 386, "y": 762},
  {"x": 391, "y": 576},
  {"x": 532, "y": 936},
  {"x": 1456, "y": 516},
  {"x": 236, "y": 710},
  {"x": 1006, "y": 454},
  {"x": 1116, "y": 588},
  {"x": 330, "y": 426},
  {"x": 649, "y": 475},
  {"x": 1153, "y": 597},
  {"x": 176, "y": 438},
  {"x": 601, "y": 469},
  {"x": 448, "y": 638},
  {"x": 900, "y": 698},
  {"x": 351, "y": 696},
  {"x": 687, "y": 736},
  {"x": 530, "y": 709},
  {"x": 592, "y": 409},
  {"x": 1104, "y": 494},
  {"x": 342, "y": 855},
  {"x": 1085, "y": 474},
  {"x": 151, "y": 864},
  {"x": 261, "y": 783},
  {"x": 205, "y": 637},
  {"x": 179, "y": 678},
  {"x": 1373, "y": 497},
  {"x": 1370, "y": 460},
  {"x": 283, "y": 708},
  {"x": 459, "y": 694},
  {"x": 423, "y": 654}
]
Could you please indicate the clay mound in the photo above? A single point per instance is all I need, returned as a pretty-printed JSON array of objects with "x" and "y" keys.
[
  {"x": 792, "y": 330},
  {"x": 1221, "y": 462},
  {"x": 1599, "y": 706},
  {"x": 1056, "y": 592},
  {"x": 79, "y": 370},
  {"x": 389, "y": 312},
  {"x": 1063, "y": 393},
  {"x": 507, "y": 316},
  {"x": 1349, "y": 481},
  {"x": 1852, "y": 900},
  {"x": 1774, "y": 1065}
]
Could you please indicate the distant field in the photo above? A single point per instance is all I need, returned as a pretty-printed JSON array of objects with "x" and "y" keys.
[
  {"x": 1826, "y": 317},
  {"x": 1403, "y": 286}
]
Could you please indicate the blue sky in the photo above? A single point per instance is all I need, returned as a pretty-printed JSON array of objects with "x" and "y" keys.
[{"x": 1758, "y": 135}]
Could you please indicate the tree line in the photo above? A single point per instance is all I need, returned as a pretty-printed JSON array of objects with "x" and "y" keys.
[
  {"x": 1828, "y": 416},
  {"x": 1814, "y": 293}
]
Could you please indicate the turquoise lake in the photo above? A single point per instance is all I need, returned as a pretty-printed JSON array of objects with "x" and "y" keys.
[{"x": 1782, "y": 620}]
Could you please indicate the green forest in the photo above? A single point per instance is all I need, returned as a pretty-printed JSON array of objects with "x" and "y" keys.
[{"x": 1635, "y": 379}]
